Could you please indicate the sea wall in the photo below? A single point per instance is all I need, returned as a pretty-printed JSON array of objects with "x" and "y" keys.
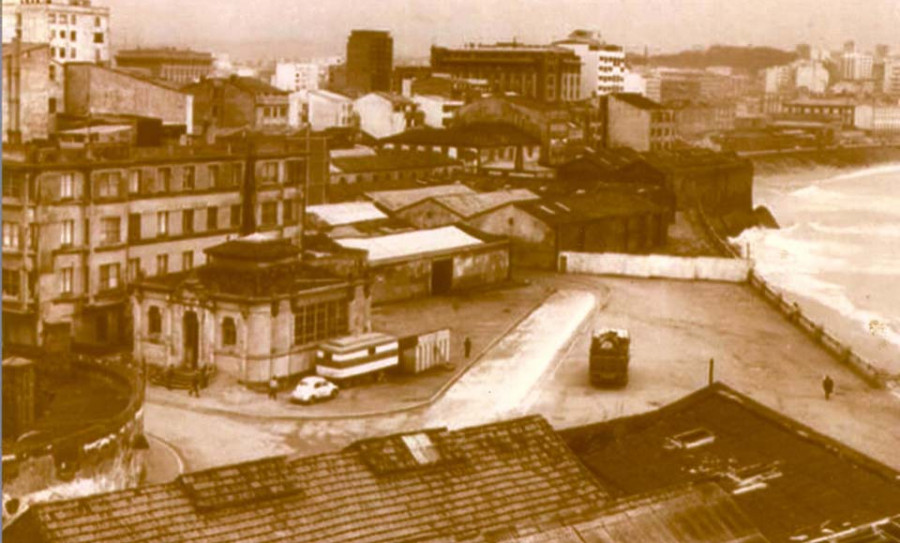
[
  {"x": 766, "y": 164},
  {"x": 732, "y": 270}
]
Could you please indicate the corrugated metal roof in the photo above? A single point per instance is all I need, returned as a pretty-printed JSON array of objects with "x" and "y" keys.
[
  {"x": 467, "y": 205},
  {"x": 346, "y": 213},
  {"x": 394, "y": 200},
  {"x": 413, "y": 243}
]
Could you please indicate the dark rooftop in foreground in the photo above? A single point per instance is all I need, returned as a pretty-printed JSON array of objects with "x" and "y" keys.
[
  {"x": 637, "y": 100},
  {"x": 481, "y": 134},
  {"x": 163, "y": 53},
  {"x": 392, "y": 160},
  {"x": 474, "y": 484},
  {"x": 256, "y": 248},
  {"x": 790, "y": 481},
  {"x": 587, "y": 207}
]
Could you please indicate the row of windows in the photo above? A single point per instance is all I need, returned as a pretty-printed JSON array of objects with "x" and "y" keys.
[
  {"x": 110, "y": 274},
  {"x": 271, "y": 112},
  {"x": 65, "y": 18}
]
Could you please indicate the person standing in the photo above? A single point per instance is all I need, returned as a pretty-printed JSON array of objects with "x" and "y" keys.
[
  {"x": 273, "y": 388},
  {"x": 170, "y": 373},
  {"x": 467, "y": 346},
  {"x": 195, "y": 384},
  {"x": 827, "y": 386}
]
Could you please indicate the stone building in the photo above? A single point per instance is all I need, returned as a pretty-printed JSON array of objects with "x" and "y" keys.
[
  {"x": 254, "y": 311},
  {"x": 180, "y": 66},
  {"x": 75, "y": 30},
  {"x": 32, "y": 91},
  {"x": 239, "y": 102},
  {"x": 637, "y": 122},
  {"x": 79, "y": 229}
]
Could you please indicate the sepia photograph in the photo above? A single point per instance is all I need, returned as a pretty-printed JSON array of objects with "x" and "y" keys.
[{"x": 461, "y": 271}]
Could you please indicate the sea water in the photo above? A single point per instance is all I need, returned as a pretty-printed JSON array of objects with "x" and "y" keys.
[{"x": 837, "y": 253}]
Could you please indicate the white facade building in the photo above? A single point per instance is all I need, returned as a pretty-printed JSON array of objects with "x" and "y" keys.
[
  {"x": 602, "y": 65},
  {"x": 325, "y": 109},
  {"x": 296, "y": 76},
  {"x": 779, "y": 79},
  {"x": 811, "y": 76},
  {"x": 383, "y": 114},
  {"x": 856, "y": 66},
  {"x": 891, "y": 82},
  {"x": 438, "y": 110},
  {"x": 878, "y": 118},
  {"x": 76, "y": 30}
]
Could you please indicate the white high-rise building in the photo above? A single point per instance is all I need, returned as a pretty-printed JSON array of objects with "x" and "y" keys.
[
  {"x": 297, "y": 76},
  {"x": 76, "y": 30},
  {"x": 812, "y": 76},
  {"x": 602, "y": 64},
  {"x": 856, "y": 66},
  {"x": 891, "y": 82}
]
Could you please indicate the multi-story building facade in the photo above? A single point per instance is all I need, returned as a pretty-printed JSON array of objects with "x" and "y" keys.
[
  {"x": 76, "y": 30},
  {"x": 239, "y": 102},
  {"x": 602, "y": 64},
  {"x": 878, "y": 118},
  {"x": 297, "y": 76},
  {"x": 836, "y": 109},
  {"x": 891, "y": 79},
  {"x": 170, "y": 64},
  {"x": 32, "y": 91},
  {"x": 638, "y": 122},
  {"x": 438, "y": 111},
  {"x": 811, "y": 76},
  {"x": 78, "y": 230},
  {"x": 856, "y": 66},
  {"x": 383, "y": 114},
  {"x": 370, "y": 61},
  {"x": 546, "y": 74},
  {"x": 325, "y": 109}
]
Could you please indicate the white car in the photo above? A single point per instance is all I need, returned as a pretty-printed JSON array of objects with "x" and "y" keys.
[{"x": 313, "y": 389}]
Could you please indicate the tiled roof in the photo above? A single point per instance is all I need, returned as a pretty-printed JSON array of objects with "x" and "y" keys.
[
  {"x": 637, "y": 100},
  {"x": 395, "y": 200},
  {"x": 392, "y": 160},
  {"x": 482, "y": 134},
  {"x": 346, "y": 213},
  {"x": 434, "y": 485},
  {"x": 469, "y": 205},
  {"x": 793, "y": 483},
  {"x": 587, "y": 207},
  {"x": 410, "y": 244},
  {"x": 702, "y": 513}
]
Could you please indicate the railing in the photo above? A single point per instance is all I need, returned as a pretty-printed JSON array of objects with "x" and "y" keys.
[{"x": 791, "y": 310}]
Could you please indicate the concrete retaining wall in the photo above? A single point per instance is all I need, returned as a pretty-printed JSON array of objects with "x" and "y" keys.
[{"x": 656, "y": 266}]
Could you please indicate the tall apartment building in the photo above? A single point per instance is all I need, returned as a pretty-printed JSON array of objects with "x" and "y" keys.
[
  {"x": 79, "y": 228},
  {"x": 76, "y": 30},
  {"x": 547, "y": 74},
  {"x": 370, "y": 61},
  {"x": 602, "y": 64},
  {"x": 176, "y": 65},
  {"x": 297, "y": 76},
  {"x": 891, "y": 79},
  {"x": 856, "y": 66}
]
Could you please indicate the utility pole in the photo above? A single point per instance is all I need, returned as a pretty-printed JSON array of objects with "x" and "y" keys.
[{"x": 712, "y": 371}]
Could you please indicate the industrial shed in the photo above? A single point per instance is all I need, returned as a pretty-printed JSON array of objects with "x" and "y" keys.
[{"x": 436, "y": 261}]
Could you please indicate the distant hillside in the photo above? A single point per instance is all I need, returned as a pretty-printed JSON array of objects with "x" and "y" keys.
[{"x": 745, "y": 59}]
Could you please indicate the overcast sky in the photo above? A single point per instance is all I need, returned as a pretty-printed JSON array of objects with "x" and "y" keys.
[{"x": 321, "y": 26}]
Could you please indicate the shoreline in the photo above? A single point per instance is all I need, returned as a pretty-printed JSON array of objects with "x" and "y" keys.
[{"x": 880, "y": 352}]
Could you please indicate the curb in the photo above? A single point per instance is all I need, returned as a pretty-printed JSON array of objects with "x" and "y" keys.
[
  {"x": 209, "y": 410},
  {"x": 171, "y": 448}
]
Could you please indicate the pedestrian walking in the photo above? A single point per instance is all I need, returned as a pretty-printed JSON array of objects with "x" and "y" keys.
[
  {"x": 273, "y": 388},
  {"x": 170, "y": 374},
  {"x": 195, "y": 385},
  {"x": 467, "y": 346},
  {"x": 827, "y": 386}
]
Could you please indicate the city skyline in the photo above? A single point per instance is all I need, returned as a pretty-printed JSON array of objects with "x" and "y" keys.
[{"x": 307, "y": 28}]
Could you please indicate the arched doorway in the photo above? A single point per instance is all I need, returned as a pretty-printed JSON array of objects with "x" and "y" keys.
[{"x": 191, "y": 328}]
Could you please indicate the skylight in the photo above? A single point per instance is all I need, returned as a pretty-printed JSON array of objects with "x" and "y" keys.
[
  {"x": 693, "y": 439},
  {"x": 422, "y": 448}
]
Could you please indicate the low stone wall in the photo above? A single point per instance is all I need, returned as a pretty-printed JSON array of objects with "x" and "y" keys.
[
  {"x": 730, "y": 270},
  {"x": 105, "y": 456}
]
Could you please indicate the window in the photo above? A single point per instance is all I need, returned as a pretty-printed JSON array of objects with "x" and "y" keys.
[
  {"x": 237, "y": 173},
  {"x": 236, "y": 215},
  {"x": 11, "y": 286},
  {"x": 296, "y": 172},
  {"x": 187, "y": 182},
  {"x": 134, "y": 181},
  {"x": 229, "y": 331},
  {"x": 134, "y": 269},
  {"x": 51, "y": 18},
  {"x": 74, "y": 18},
  {"x": 10, "y": 235},
  {"x": 269, "y": 215},
  {"x": 67, "y": 235},
  {"x": 66, "y": 275},
  {"x": 108, "y": 184},
  {"x": 162, "y": 223},
  {"x": 268, "y": 172},
  {"x": 316, "y": 322},
  {"x": 154, "y": 320},
  {"x": 66, "y": 186},
  {"x": 289, "y": 211},
  {"x": 109, "y": 276},
  {"x": 162, "y": 264},
  {"x": 110, "y": 231},
  {"x": 72, "y": 54},
  {"x": 63, "y": 18},
  {"x": 97, "y": 22},
  {"x": 98, "y": 37},
  {"x": 13, "y": 184},
  {"x": 73, "y": 36},
  {"x": 187, "y": 221},
  {"x": 692, "y": 439},
  {"x": 165, "y": 179},
  {"x": 212, "y": 218},
  {"x": 187, "y": 260},
  {"x": 214, "y": 177},
  {"x": 134, "y": 227},
  {"x": 51, "y": 105}
]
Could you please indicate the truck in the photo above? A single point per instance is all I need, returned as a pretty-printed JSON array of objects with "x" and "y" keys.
[{"x": 609, "y": 357}]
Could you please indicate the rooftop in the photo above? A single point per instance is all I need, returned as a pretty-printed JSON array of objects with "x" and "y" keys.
[
  {"x": 24, "y": 47},
  {"x": 392, "y": 97},
  {"x": 587, "y": 207},
  {"x": 431, "y": 485},
  {"x": 163, "y": 53},
  {"x": 482, "y": 134},
  {"x": 388, "y": 160},
  {"x": 790, "y": 481},
  {"x": 346, "y": 213},
  {"x": 256, "y": 248},
  {"x": 637, "y": 100},
  {"x": 410, "y": 244},
  {"x": 469, "y": 205},
  {"x": 395, "y": 200},
  {"x": 250, "y": 85},
  {"x": 695, "y": 157}
]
